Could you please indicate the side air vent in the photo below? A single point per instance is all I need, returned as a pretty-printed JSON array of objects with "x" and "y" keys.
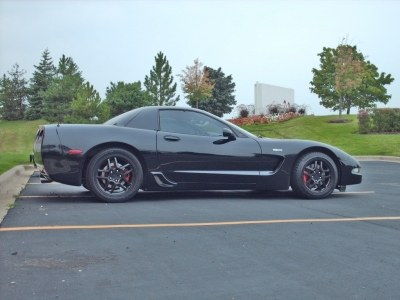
[{"x": 162, "y": 181}]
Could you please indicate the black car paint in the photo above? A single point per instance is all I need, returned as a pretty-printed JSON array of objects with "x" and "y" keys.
[{"x": 181, "y": 161}]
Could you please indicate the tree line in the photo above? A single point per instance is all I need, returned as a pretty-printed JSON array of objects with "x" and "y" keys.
[{"x": 61, "y": 94}]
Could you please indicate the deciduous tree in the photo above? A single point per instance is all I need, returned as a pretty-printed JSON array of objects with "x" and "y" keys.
[
  {"x": 195, "y": 83},
  {"x": 159, "y": 84},
  {"x": 350, "y": 71},
  {"x": 342, "y": 83}
]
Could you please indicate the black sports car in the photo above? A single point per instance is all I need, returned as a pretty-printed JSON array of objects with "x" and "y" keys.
[{"x": 171, "y": 148}]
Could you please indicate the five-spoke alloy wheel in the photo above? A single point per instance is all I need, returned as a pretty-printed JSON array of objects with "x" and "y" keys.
[
  {"x": 314, "y": 176},
  {"x": 114, "y": 175}
]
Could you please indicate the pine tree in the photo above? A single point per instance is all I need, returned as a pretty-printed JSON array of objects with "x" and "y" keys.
[
  {"x": 160, "y": 85},
  {"x": 40, "y": 82},
  {"x": 122, "y": 97},
  {"x": 13, "y": 94},
  {"x": 87, "y": 107},
  {"x": 5, "y": 94},
  {"x": 63, "y": 88},
  {"x": 222, "y": 97}
]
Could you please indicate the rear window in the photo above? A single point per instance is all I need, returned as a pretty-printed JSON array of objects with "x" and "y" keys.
[
  {"x": 122, "y": 120},
  {"x": 146, "y": 119}
]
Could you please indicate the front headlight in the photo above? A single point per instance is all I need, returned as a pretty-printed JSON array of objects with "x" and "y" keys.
[{"x": 356, "y": 170}]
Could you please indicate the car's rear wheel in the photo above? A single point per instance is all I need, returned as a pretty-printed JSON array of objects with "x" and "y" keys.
[
  {"x": 114, "y": 175},
  {"x": 314, "y": 176}
]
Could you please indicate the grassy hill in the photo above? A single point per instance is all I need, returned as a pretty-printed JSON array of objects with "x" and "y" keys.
[
  {"x": 342, "y": 135},
  {"x": 16, "y": 138}
]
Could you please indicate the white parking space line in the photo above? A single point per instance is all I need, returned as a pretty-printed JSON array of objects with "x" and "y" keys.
[
  {"x": 91, "y": 196},
  {"x": 347, "y": 193},
  {"x": 43, "y": 183},
  {"x": 55, "y": 196}
]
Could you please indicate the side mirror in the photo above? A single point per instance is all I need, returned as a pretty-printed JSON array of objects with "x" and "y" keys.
[{"x": 228, "y": 133}]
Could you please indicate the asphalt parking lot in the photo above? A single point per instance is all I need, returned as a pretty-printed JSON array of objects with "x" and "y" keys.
[{"x": 59, "y": 242}]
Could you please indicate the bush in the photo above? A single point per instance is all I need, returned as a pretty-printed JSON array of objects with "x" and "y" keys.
[
  {"x": 302, "y": 109},
  {"x": 245, "y": 110},
  {"x": 385, "y": 119},
  {"x": 292, "y": 109},
  {"x": 244, "y": 113},
  {"x": 273, "y": 109},
  {"x": 379, "y": 120},
  {"x": 364, "y": 121}
]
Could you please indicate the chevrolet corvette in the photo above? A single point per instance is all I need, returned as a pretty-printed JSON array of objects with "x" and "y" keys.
[{"x": 163, "y": 148}]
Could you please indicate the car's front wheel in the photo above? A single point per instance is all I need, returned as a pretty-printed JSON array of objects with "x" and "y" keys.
[
  {"x": 314, "y": 176},
  {"x": 114, "y": 175}
]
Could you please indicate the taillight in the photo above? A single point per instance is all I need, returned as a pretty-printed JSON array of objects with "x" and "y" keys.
[{"x": 75, "y": 151}]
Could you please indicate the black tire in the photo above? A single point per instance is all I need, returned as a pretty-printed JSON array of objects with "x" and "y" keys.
[
  {"x": 314, "y": 176},
  {"x": 114, "y": 175}
]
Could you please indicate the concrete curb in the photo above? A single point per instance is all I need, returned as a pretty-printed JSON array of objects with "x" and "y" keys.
[
  {"x": 378, "y": 158},
  {"x": 14, "y": 180},
  {"x": 11, "y": 184}
]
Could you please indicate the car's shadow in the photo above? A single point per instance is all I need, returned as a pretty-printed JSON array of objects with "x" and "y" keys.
[{"x": 67, "y": 194}]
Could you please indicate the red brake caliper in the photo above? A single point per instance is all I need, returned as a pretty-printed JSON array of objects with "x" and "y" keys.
[
  {"x": 305, "y": 178},
  {"x": 127, "y": 176}
]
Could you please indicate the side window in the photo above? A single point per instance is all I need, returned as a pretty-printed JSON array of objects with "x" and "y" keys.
[{"x": 188, "y": 122}]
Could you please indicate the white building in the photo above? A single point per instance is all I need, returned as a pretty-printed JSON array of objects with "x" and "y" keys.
[{"x": 266, "y": 94}]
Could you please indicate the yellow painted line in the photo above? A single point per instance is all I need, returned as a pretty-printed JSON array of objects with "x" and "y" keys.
[{"x": 394, "y": 218}]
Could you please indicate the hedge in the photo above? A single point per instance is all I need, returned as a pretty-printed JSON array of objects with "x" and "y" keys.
[{"x": 379, "y": 120}]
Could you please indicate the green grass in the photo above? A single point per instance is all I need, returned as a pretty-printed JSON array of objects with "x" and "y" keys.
[
  {"x": 342, "y": 135},
  {"x": 16, "y": 142},
  {"x": 16, "y": 138}
]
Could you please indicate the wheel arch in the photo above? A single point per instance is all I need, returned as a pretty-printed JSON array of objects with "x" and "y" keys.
[
  {"x": 324, "y": 150},
  {"x": 96, "y": 149}
]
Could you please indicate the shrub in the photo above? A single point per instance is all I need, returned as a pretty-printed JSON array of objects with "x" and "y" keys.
[
  {"x": 292, "y": 109},
  {"x": 273, "y": 109},
  {"x": 244, "y": 113},
  {"x": 245, "y": 110},
  {"x": 364, "y": 122},
  {"x": 385, "y": 119},
  {"x": 303, "y": 109}
]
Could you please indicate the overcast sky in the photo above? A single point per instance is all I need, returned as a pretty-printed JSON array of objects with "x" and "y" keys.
[{"x": 272, "y": 42}]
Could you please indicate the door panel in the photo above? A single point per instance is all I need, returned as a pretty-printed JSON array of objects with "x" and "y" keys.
[{"x": 191, "y": 149}]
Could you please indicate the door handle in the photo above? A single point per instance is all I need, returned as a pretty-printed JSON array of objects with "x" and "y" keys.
[{"x": 171, "y": 138}]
